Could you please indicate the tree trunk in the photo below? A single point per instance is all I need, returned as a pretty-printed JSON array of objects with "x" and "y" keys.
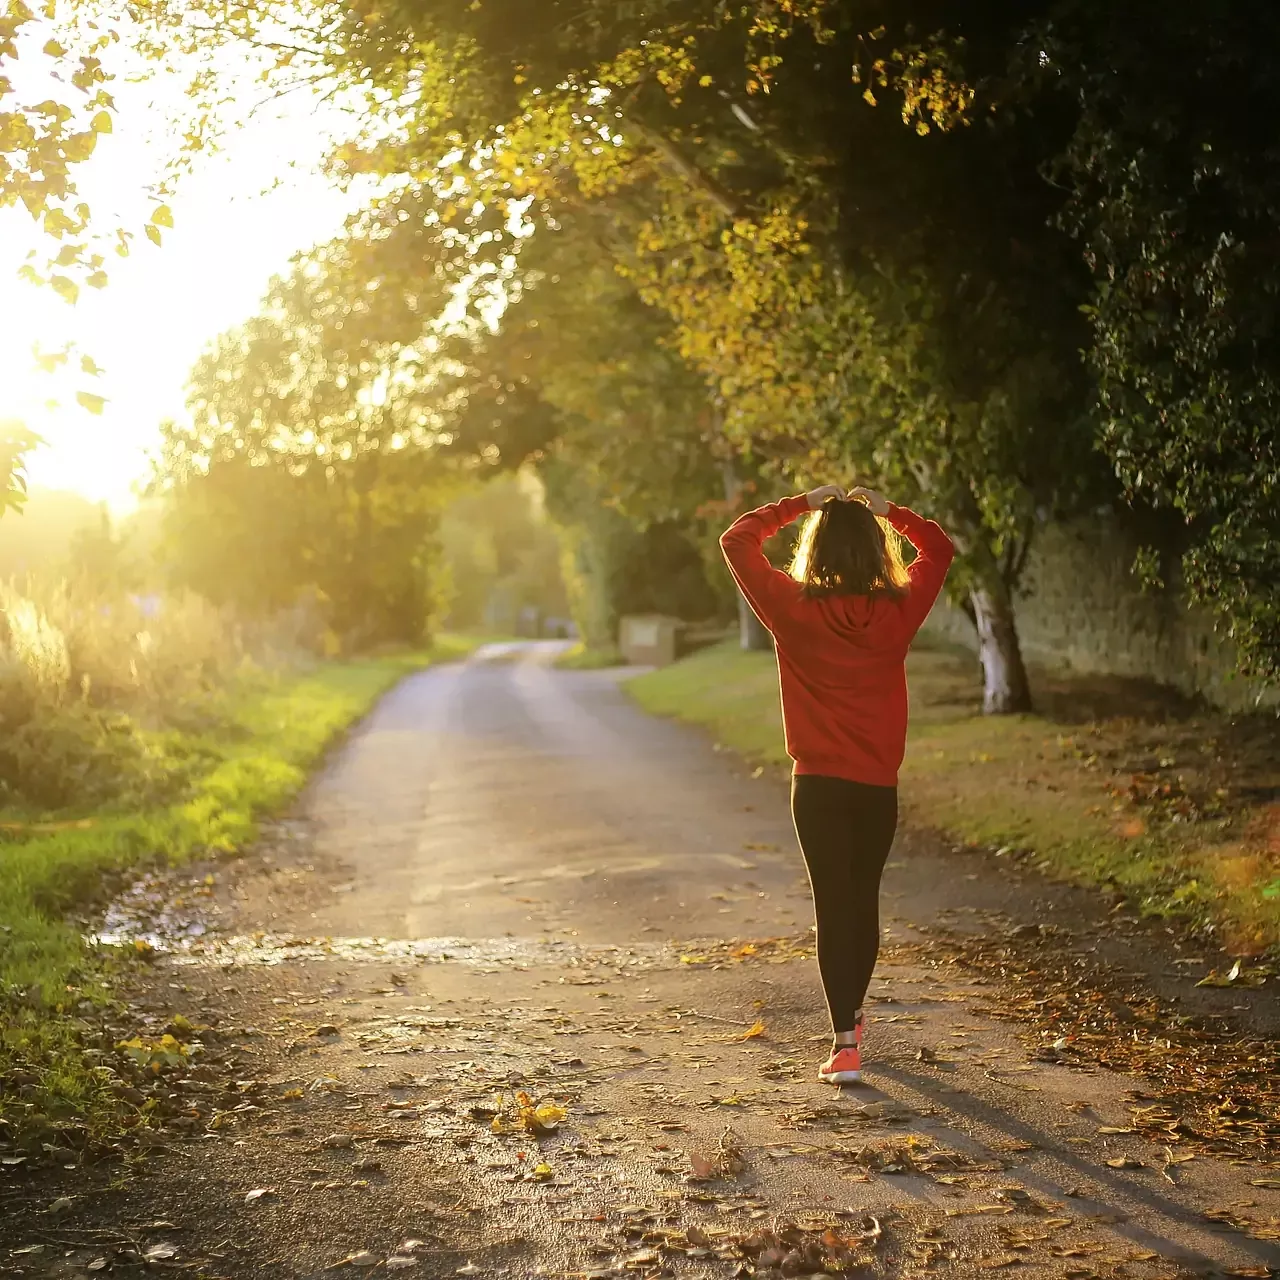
[
  {"x": 752, "y": 633},
  {"x": 1004, "y": 678}
]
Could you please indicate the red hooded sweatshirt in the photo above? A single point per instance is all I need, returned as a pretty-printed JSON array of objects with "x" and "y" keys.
[{"x": 841, "y": 659}]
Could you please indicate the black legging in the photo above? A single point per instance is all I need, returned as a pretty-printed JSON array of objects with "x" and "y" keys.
[{"x": 845, "y": 831}]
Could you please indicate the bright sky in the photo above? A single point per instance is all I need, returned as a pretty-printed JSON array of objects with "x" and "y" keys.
[{"x": 163, "y": 305}]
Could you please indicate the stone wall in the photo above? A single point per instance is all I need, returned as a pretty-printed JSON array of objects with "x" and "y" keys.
[{"x": 1079, "y": 609}]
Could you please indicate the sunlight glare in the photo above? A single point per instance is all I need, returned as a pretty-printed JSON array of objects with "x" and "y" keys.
[{"x": 237, "y": 219}]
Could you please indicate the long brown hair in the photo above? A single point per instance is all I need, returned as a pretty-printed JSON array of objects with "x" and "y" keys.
[{"x": 844, "y": 550}]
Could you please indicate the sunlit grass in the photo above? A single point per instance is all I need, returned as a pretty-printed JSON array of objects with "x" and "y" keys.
[{"x": 1051, "y": 786}]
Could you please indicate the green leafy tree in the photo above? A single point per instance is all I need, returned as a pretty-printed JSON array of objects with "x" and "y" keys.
[
  {"x": 501, "y": 554},
  {"x": 1174, "y": 197},
  {"x": 305, "y": 468},
  {"x": 556, "y": 361},
  {"x": 850, "y": 289},
  {"x": 54, "y": 106},
  {"x": 16, "y": 441}
]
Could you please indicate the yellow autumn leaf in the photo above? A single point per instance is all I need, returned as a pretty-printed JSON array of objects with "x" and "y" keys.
[
  {"x": 548, "y": 1116},
  {"x": 754, "y": 1031}
]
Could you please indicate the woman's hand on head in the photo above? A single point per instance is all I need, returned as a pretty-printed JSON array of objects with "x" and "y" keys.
[
  {"x": 824, "y": 493},
  {"x": 876, "y": 501}
]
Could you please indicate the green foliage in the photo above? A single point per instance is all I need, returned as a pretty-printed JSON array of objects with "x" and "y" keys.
[
  {"x": 500, "y": 554},
  {"x": 84, "y": 757},
  {"x": 581, "y": 657},
  {"x": 612, "y": 566},
  {"x": 15, "y": 443},
  {"x": 42, "y": 142},
  {"x": 305, "y": 474},
  {"x": 91, "y": 687},
  {"x": 836, "y": 307},
  {"x": 1174, "y": 198},
  {"x": 54, "y": 104}
]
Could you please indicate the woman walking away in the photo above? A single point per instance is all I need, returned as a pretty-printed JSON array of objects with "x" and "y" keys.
[{"x": 842, "y": 621}]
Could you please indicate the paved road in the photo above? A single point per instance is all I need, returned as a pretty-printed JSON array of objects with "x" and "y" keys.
[
  {"x": 511, "y": 878},
  {"x": 480, "y": 787}
]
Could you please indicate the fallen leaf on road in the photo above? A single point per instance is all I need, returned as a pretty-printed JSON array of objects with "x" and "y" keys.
[
  {"x": 889, "y": 1110},
  {"x": 362, "y": 1259},
  {"x": 259, "y": 1193},
  {"x": 1124, "y": 1162},
  {"x": 160, "y": 1253},
  {"x": 1237, "y": 976},
  {"x": 338, "y": 1142},
  {"x": 1271, "y": 1184},
  {"x": 1014, "y": 1195},
  {"x": 469, "y": 1270},
  {"x": 399, "y": 1261},
  {"x": 547, "y": 1117},
  {"x": 525, "y": 1116},
  {"x": 753, "y": 1032}
]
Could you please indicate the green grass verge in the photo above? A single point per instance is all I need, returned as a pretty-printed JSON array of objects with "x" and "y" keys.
[
  {"x": 580, "y": 658},
  {"x": 1100, "y": 789},
  {"x": 267, "y": 739}
]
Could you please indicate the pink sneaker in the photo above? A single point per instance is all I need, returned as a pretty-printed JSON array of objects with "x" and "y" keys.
[{"x": 845, "y": 1064}]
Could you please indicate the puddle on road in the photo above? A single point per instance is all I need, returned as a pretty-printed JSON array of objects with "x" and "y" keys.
[
  {"x": 176, "y": 917},
  {"x": 173, "y": 916},
  {"x": 160, "y": 911},
  {"x": 272, "y": 949}
]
